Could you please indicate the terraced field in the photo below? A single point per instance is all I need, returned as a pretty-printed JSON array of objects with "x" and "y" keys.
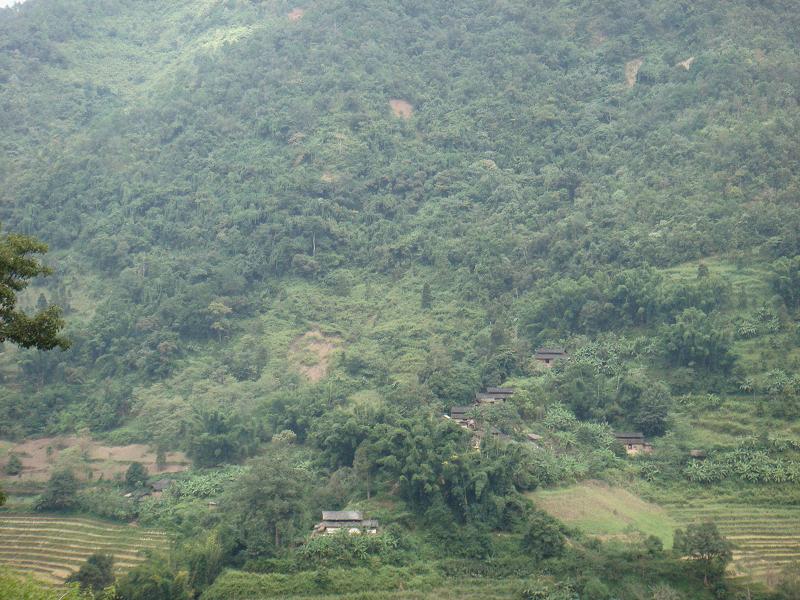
[
  {"x": 767, "y": 538},
  {"x": 51, "y": 548}
]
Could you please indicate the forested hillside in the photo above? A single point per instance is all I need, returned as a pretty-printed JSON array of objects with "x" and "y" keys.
[{"x": 303, "y": 232}]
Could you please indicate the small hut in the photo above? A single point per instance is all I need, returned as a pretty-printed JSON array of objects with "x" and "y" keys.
[
  {"x": 494, "y": 395},
  {"x": 351, "y": 521},
  {"x": 548, "y": 356},
  {"x": 633, "y": 442}
]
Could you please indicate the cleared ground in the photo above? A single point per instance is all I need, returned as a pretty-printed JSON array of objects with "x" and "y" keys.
[
  {"x": 86, "y": 457},
  {"x": 607, "y": 512},
  {"x": 766, "y": 538},
  {"x": 311, "y": 354},
  {"x": 50, "y": 548}
]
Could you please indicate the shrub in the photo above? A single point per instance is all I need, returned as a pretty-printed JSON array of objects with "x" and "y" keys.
[
  {"x": 13, "y": 466},
  {"x": 344, "y": 549},
  {"x": 60, "y": 493},
  {"x": 97, "y": 573},
  {"x": 544, "y": 538},
  {"x": 136, "y": 476}
]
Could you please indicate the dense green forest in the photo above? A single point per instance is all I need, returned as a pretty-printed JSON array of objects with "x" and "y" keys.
[{"x": 286, "y": 239}]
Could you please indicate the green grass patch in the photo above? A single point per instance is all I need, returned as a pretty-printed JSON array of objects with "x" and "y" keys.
[{"x": 607, "y": 511}]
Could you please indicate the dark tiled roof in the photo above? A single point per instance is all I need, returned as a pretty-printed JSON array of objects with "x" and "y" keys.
[
  {"x": 630, "y": 436},
  {"x": 500, "y": 391},
  {"x": 550, "y": 353}
]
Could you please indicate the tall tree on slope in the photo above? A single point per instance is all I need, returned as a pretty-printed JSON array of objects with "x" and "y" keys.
[{"x": 19, "y": 264}]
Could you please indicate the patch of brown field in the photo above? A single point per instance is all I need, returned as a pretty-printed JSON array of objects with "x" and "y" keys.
[
  {"x": 686, "y": 64},
  {"x": 632, "y": 70},
  {"x": 328, "y": 177},
  {"x": 89, "y": 458},
  {"x": 401, "y": 108},
  {"x": 760, "y": 55},
  {"x": 311, "y": 354},
  {"x": 296, "y": 14}
]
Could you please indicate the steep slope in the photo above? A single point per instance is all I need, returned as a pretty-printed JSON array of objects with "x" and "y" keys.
[
  {"x": 324, "y": 224},
  {"x": 211, "y": 152}
]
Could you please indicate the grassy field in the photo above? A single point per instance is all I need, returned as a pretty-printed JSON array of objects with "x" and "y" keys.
[
  {"x": 766, "y": 538},
  {"x": 51, "y": 548},
  {"x": 605, "y": 511}
]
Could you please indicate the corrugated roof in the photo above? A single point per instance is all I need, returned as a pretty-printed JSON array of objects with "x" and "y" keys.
[{"x": 342, "y": 515}]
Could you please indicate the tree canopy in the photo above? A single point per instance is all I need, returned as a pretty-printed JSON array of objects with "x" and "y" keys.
[{"x": 18, "y": 265}]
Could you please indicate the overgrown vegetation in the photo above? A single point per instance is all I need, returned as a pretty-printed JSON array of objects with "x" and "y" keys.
[{"x": 268, "y": 265}]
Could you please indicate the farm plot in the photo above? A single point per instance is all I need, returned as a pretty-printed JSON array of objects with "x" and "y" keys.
[
  {"x": 606, "y": 511},
  {"x": 86, "y": 457},
  {"x": 51, "y": 548},
  {"x": 766, "y": 538}
]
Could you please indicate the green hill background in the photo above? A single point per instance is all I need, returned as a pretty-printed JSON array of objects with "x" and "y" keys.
[{"x": 265, "y": 216}]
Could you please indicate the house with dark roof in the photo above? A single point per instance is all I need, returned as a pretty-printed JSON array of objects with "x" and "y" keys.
[
  {"x": 548, "y": 356},
  {"x": 633, "y": 442},
  {"x": 462, "y": 415},
  {"x": 494, "y": 395},
  {"x": 351, "y": 521}
]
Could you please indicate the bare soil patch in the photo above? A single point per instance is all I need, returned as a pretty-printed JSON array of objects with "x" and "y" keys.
[
  {"x": 88, "y": 458},
  {"x": 401, "y": 108},
  {"x": 632, "y": 70},
  {"x": 311, "y": 354},
  {"x": 296, "y": 14},
  {"x": 686, "y": 64}
]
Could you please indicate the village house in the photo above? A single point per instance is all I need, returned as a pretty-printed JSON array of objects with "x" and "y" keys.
[
  {"x": 494, "y": 395},
  {"x": 548, "y": 356},
  {"x": 462, "y": 416},
  {"x": 351, "y": 521},
  {"x": 633, "y": 442}
]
